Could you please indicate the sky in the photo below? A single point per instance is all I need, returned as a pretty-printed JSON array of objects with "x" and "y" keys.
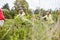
[
  {"x": 33, "y": 4},
  {"x": 10, "y": 2},
  {"x": 45, "y": 4}
]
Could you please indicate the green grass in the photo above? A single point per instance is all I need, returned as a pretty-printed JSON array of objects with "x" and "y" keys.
[{"x": 23, "y": 30}]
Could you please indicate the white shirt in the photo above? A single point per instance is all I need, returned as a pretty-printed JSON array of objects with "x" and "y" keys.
[
  {"x": 22, "y": 14},
  {"x": 49, "y": 18}
]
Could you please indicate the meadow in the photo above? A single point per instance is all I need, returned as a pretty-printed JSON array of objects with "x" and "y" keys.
[{"x": 18, "y": 29}]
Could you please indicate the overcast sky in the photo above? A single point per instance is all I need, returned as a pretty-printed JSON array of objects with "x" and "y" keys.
[
  {"x": 46, "y": 4},
  {"x": 10, "y": 2}
]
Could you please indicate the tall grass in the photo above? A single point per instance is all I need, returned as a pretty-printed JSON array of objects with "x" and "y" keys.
[{"x": 24, "y": 30}]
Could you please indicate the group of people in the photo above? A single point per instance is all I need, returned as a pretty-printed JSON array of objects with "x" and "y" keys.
[{"x": 48, "y": 16}]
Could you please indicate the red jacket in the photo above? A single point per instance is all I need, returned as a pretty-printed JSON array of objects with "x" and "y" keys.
[{"x": 1, "y": 15}]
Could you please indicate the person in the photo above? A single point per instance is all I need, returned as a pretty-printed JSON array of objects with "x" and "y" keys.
[
  {"x": 2, "y": 18},
  {"x": 48, "y": 18},
  {"x": 21, "y": 12},
  {"x": 21, "y": 15}
]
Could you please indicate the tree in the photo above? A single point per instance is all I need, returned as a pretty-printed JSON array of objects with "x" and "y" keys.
[
  {"x": 6, "y": 6},
  {"x": 21, "y": 3},
  {"x": 42, "y": 11},
  {"x": 7, "y": 13},
  {"x": 36, "y": 11}
]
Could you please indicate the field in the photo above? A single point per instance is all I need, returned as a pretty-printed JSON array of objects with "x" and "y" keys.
[
  {"x": 16, "y": 29},
  {"x": 32, "y": 25}
]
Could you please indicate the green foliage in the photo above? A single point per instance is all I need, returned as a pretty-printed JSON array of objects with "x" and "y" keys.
[
  {"x": 22, "y": 30},
  {"x": 55, "y": 15},
  {"x": 9, "y": 14},
  {"x": 21, "y": 3},
  {"x": 6, "y": 6},
  {"x": 6, "y": 13},
  {"x": 37, "y": 11}
]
